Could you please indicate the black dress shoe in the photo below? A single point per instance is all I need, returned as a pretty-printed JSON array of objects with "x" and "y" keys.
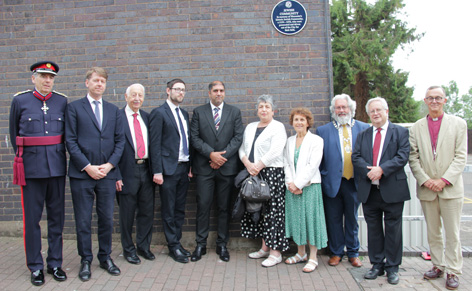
[
  {"x": 373, "y": 273},
  {"x": 111, "y": 268},
  {"x": 146, "y": 254},
  {"x": 132, "y": 259},
  {"x": 58, "y": 274},
  {"x": 84, "y": 272},
  {"x": 198, "y": 253},
  {"x": 393, "y": 278},
  {"x": 184, "y": 251},
  {"x": 223, "y": 253},
  {"x": 37, "y": 278},
  {"x": 178, "y": 256}
]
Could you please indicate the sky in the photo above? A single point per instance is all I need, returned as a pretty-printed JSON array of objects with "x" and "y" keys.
[{"x": 445, "y": 51}]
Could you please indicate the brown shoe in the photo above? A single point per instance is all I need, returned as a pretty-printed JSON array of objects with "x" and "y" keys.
[
  {"x": 452, "y": 282},
  {"x": 434, "y": 273},
  {"x": 334, "y": 261},
  {"x": 355, "y": 262}
]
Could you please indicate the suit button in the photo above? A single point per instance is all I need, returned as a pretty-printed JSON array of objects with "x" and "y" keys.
[
  {"x": 47, "y": 132},
  {"x": 46, "y": 122}
]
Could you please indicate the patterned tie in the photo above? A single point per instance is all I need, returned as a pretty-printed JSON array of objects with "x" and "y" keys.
[
  {"x": 348, "y": 170},
  {"x": 216, "y": 117},
  {"x": 182, "y": 132},
  {"x": 140, "y": 147},
  {"x": 97, "y": 113},
  {"x": 378, "y": 138}
]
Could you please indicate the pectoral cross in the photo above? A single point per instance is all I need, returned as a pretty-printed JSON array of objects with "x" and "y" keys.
[{"x": 45, "y": 108}]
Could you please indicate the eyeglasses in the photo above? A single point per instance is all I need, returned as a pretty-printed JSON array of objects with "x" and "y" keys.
[
  {"x": 375, "y": 111},
  {"x": 179, "y": 90},
  {"x": 341, "y": 108},
  {"x": 437, "y": 99}
]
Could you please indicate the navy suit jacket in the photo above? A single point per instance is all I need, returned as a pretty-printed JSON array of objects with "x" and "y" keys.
[
  {"x": 206, "y": 139},
  {"x": 87, "y": 144},
  {"x": 393, "y": 184},
  {"x": 331, "y": 167},
  {"x": 165, "y": 139},
  {"x": 127, "y": 164}
]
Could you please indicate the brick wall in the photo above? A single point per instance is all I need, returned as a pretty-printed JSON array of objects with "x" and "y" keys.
[{"x": 151, "y": 42}]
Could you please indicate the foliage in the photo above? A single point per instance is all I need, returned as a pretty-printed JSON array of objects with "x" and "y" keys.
[
  {"x": 364, "y": 37},
  {"x": 458, "y": 105}
]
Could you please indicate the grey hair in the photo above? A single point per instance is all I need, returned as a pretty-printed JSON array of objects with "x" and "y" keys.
[
  {"x": 435, "y": 87},
  {"x": 351, "y": 103},
  {"x": 136, "y": 84},
  {"x": 266, "y": 99},
  {"x": 382, "y": 100}
]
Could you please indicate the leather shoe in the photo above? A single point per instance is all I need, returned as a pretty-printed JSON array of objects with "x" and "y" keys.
[
  {"x": 178, "y": 256},
  {"x": 198, "y": 253},
  {"x": 452, "y": 282},
  {"x": 393, "y": 278},
  {"x": 373, "y": 273},
  {"x": 37, "y": 278},
  {"x": 334, "y": 260},
  {"x": 355, "y": 262},
  {"x": 132, "y": 259},
  {"x": 434, "y": 273},
  {"x": 111, "y": 268},
  {"x": 184, "y": 251},
  {"x": 84, "y": 272},
  {"x": 223, "y": 253},
  {"x": 57, "y": 273},
  {"x": 146, "y": 254}
]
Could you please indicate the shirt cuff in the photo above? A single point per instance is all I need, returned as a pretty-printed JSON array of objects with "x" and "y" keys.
[{"x": 446, "y": 181}]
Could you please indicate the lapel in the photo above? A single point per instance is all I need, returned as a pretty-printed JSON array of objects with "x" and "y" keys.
[
  {"x": 445, "y": 125},
  {"x": 129, "y": 138},
  {"x": 368, "y": 146},
  {"x": 334, "y": 132},
  {"x": 209, "y": 116},
  {"x": 388, "y": 137},
  {"x": 224, "y": 118},
  {"x": 170, "y": 115},
  {"x": 88, "y": 108},
  {"x": 304, "y": 150},
  {"x": 105, "y": 114}
]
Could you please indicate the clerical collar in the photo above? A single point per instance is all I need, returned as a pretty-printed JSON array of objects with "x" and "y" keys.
[{"x": 437, "y": 118}]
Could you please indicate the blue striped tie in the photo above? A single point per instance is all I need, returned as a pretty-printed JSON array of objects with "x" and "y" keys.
[{"x": 216, "y": 117}]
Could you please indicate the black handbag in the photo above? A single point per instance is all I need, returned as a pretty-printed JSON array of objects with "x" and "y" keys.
[{"x": 255, "y": 189}]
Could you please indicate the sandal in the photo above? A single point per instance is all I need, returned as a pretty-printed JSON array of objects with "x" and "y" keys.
[
  {"x": 272, "y": 261},
  {"x": 296, "y": 259},
  {"x": 310, "y": 266},
  {"x": 259, "y": 254}
]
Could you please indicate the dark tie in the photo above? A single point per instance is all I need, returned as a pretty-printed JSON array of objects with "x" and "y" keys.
[
  {"x": 182, "y": 132},
  {"x": 97, "y": 113},
  {"x": 216, "y": 117},
  {"x": 378, "y": 138},
  {"x": 140, "y": 147}
]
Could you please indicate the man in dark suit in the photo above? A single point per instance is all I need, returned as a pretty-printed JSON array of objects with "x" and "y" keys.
[
  {"x": 135, "y": 188},
  {"x": 339, "y": 186},
  {"x": 379, "y": 160},
  {"x": 37, "y": 137},
  {"x": 95, "y": 141},
  {"x": 170, "y": 160},
  {"x": 217, "y": 134}
]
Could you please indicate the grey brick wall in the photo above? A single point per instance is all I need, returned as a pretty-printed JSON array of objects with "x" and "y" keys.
[{"x": 151, "y": 42}]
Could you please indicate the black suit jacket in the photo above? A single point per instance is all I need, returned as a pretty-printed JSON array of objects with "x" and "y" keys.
[
  {"x": 127, "y": 163},
  {"x": 206, "y": 139},
  {"x": 87, "y": 144},
  {"x": 165, "y": 139},
  {"x": 396, "y": 149}
]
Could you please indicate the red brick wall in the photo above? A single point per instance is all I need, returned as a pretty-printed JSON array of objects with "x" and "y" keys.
[{"x": 151, "y": 42}]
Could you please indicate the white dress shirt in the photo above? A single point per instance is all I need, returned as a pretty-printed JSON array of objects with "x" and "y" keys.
[
  {"x": 129, "y": 115},
  {"x": 182, "y": 156}
]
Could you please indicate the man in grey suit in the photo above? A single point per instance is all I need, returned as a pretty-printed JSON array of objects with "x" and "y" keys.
[
  {"x": 216, "y": 135},
  {"x": 437, "y": 158}
]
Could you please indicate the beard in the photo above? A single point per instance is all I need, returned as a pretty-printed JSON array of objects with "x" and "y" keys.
[{"x": 342, "y": 119}]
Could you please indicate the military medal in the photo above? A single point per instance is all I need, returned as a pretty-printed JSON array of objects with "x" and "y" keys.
[{"x": 45, "y": 108}]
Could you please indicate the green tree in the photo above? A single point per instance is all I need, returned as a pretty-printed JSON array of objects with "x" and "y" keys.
[
  {"x": 457, "y": 105},
  {"x": 364, "y": 37}
]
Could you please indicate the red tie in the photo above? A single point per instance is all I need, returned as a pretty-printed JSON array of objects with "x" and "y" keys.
[
  {"x": 378, "y": 138},
  {"x": 141, "y": 149}
]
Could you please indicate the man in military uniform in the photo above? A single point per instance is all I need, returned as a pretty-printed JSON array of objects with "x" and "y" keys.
[{"x": 37, "y": 136}]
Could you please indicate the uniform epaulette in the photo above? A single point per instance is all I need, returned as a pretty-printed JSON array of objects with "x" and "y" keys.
[
  {"x": 62, "y": 94},
  {"x": 22, "y": 92}
]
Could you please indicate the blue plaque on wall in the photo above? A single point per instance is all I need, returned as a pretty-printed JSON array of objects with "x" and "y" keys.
[{"x": 289, "y": 17}]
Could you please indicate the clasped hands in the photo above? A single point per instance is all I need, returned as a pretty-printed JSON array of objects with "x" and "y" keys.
[
  {"x": 436, "y": 185},
  {"x": 217, "y": 160},
  {"x": 98, "y": 172},
  {"x": 294, "y": 189},
  {"x": 375, "y": 173}
]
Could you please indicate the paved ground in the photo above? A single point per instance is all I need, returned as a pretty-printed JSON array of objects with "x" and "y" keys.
[{"x": 210, "y": 273}]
